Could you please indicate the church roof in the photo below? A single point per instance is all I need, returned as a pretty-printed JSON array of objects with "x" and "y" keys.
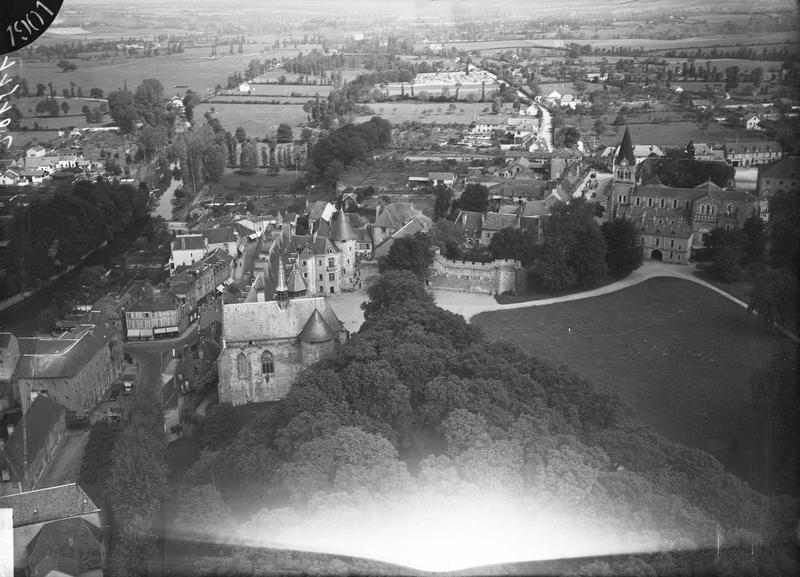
[
  {"x": 316, "y": 330},
  {"x": 251, "y": 321},
  {"x": 341, "y": 230},
  {"x": 626, "y": 149}
]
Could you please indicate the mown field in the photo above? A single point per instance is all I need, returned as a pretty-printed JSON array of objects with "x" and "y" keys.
[
  {"x": 677, "y": 353},
  {"x": 256, "y": 119}
]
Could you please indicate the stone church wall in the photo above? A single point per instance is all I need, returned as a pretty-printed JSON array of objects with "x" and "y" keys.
[{"x": 238, "y": 390}]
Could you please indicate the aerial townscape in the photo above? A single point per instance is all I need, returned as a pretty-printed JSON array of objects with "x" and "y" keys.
[{"x": 401, "y": 288}]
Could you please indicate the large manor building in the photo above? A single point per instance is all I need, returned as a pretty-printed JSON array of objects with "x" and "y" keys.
[{"x": 673, "y": 221}]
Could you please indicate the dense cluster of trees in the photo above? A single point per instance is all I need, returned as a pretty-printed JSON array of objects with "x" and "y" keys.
[
  {"x": 203, "y": 153},
  {"x": 766, "y": 254},
  {"x": 344, "y": 146},
  {"x": 147, "y": 105},
  {"x": 97, "y": 456},
  {"x": 418, "y": 406},
  {"x": 676, "y": 170},
  {"x": 136, "y": 485},
  {"x": 50, "y": 235}
]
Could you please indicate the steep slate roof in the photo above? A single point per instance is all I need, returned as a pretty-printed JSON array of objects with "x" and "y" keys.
[
  {"x": 316, "y": 330},
  {"x": 626, "y": 149},
  {"x": 647, "y": 223},
  {"x": 266, "y": 320},
  {"x": 62, "y": 357},
  {"x": 534, "y": 208},
  {"x": 163, "y": 302},
  {"x": 659, "y": 190},
  {"x": 39, "y": 420},
  {"x": 708, "y": 185},
  {"x": 341, "y": 229},
  {"x": 55, "y": 564},
  {"x": 396, "y": 215},
  {"x": 497, "y": 221},
  {"x": 728, "y": 195},
  {"x": 48, "y": 504},
  {"x": 752, "y": 146},
  {"x": 220, "y": 235},
  {"x": 468, "y": 220},
  {"x": 189, "y": 242},
  {"x": 74, "y": 539}
]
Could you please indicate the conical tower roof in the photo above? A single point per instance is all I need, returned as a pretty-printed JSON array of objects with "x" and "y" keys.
[
  {"x": 626, "y": 149},
  {"x": 341, "y": 229},
  {"x": 296, "y": 283},
  {"x": 316, "y": 330}
]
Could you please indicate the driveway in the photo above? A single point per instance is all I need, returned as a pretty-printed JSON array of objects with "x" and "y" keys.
[{"x": 469, "y": 305}]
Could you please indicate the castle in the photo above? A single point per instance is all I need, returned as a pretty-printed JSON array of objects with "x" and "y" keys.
[
  {"x": 284, "y": 324},
  {"x": 269, "y": 338}
]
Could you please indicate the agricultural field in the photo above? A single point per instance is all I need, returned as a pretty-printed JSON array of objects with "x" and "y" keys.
[
  {"x": 282, "y": 91},
  {"x": 666, "y": 134},
  {"x": 680, "y": 355},
  {"x": 428, "y": 112},
  {"x": 256, "y": 119},
  {"x": 193, "y": 69},
  {"x": 74, "y": 116}
]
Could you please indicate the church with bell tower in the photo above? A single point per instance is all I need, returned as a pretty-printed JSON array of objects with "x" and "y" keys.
[{"x": 624, "y": 171}]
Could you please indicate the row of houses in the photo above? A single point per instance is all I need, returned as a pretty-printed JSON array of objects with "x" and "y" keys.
[
  {"x": 39, "y": 164},
  {"x": 745, "y": 153}
]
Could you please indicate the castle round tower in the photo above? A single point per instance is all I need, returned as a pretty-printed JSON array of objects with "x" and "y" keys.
[{"x": 344, "y": 238}]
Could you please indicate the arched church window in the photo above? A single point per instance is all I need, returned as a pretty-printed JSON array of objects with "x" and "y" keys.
[
  {"x": 267, "y": 365},
  {"x": 242, "y": 366}
]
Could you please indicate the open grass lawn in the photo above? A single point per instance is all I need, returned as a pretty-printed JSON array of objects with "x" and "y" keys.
[
  {"x": 673, "y": 133},
  {"x": 258, "y": 181},
  {"x": 256, "y": 119},
  {"x": 677, "y": 353}
]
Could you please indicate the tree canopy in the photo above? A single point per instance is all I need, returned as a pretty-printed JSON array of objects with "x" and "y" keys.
[
  {"x": 623, "y": 253},
  {"x": 413, "y": 253},
  {"x": 419, "y": 409},
  {"x": 475, "y": 197}
]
